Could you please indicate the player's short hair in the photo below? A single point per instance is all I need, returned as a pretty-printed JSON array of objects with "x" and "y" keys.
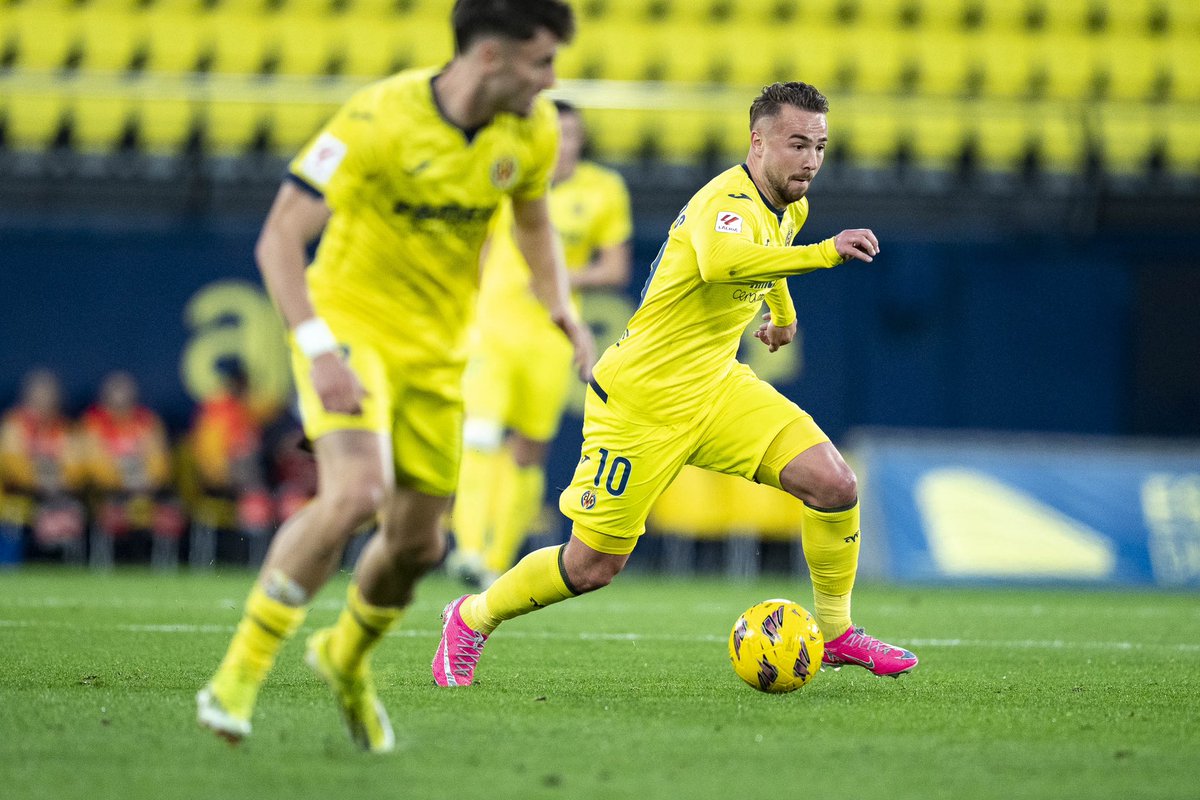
[
  {"x": 803, "y": 96},
  {"x": 512, "y": 19}
]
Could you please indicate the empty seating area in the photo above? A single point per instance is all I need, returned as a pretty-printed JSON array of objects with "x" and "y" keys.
[{"x": 932, "y": 81}]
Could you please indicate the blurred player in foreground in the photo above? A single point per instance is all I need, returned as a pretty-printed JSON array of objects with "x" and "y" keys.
[
  {"x": 519, "y": 376},
  {"x": 403, "y": 182},
  {"x": 671, "y": 392}
]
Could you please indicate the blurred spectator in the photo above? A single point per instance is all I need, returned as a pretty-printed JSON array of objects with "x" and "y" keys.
[
  {"x": 130, "y": 468},
  {"x": 43, "y": 470},
  {"x": 226, "y": 442},
  {"x": 292, "y": 466}
]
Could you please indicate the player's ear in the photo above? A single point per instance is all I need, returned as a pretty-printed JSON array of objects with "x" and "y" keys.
[
  {"x": 490, "y": 54},
  {"x": 756, "y": 141}
]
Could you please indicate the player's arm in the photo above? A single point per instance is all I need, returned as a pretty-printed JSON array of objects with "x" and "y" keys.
[
  {"x": 779, "y": 323},
  {"x": 538, "y": 243},
  {"x": 609, "y": 269},
  {"x": 295, "y": 220},
  {"x": 729, "y": 258}
]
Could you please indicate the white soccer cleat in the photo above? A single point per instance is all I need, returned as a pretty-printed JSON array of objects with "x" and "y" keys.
[{"x": 212, "y": 715}]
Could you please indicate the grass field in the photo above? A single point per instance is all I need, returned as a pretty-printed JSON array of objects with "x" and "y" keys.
[{"x": 621, "y": 694}]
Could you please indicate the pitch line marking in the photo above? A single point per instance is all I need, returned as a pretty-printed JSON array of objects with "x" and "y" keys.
[{"x": 408, "y": 633}]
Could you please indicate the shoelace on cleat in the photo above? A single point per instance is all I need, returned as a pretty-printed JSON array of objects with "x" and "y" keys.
[
  {"x": 466, "y": 656},
  {"x": 861, "y": 638}
]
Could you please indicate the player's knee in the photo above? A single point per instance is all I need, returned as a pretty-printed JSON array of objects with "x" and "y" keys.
[
  {"x": 595, "y": 574},
  {"x": 355, "y": 502},
  {"x": 836, "y": 488},
  {"x": 417, "y": 554}
]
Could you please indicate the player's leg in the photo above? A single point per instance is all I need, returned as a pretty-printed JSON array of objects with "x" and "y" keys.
[
  {"x": 353, "y": 475},
  {"x": 622, "y": 471},
  {"x": 759, "y": 434},
  {"x": 541, "y": 383},
  {"x": 487, "y": 387},
  {"x": 409, "y": 543},
  {"x": 831, "y": 540}
]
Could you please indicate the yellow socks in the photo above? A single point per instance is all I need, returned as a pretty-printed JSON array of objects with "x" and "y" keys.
[
  {"x": 473, "y": 507},
  {"x": 358, "y": 629},
  {"x": 264, "y": 628},
  {"x": 831, "y": 540},
  {"x": 538, "y": 580},
  {"x": 517, "y": 508}
]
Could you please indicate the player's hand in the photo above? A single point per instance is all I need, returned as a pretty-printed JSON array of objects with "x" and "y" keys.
[
  {"x": 772, "y": 336},
  {"x": 338, "y": 387},
  {"x": 581, "y": 339},
  {"x": 857, "y": 243}
]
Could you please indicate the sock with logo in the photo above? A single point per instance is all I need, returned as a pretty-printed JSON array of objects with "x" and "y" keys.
[
  {"x": 831, "y": 540},
  {"x": 357, "y": 630},
  {"x": 273, "y": 613},
  {"x": 538, "y": 580}
]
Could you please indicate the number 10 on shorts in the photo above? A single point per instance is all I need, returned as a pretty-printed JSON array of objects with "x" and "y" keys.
[{"x": 618, "y": 473}]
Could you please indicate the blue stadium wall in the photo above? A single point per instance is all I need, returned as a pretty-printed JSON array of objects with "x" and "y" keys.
[{"x": 1037, "y": 334}]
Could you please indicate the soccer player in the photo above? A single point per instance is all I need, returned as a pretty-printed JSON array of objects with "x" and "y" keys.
[
  {"x": 670, "y": 392},
  {"x": 403, "y": 182},
  {"x": 519, "y": 375}
]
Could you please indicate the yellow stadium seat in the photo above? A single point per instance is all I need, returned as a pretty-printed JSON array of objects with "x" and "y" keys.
[
  {"x": 815, "y": 60},
  {"x": 426, "y": 45},
  {"x": 937, "y": 133},
  {"x": 1005, "y": 61},
  {"x": 33, "y": 118},
  {"x": 110, "y": 38},
  {"x": 1060, "y": 138},
  {"x": 231, "y": 125},
  {"x": 1069, "y": 62},
  {"x": 878, "y": 56},
  {"x": 304, "y": 45},
  {"x": 1001, "y": 137},
  {"x": 241, "y": 41},
  {"x": 99, "y": 120},
  {"x": 870, "y": 132},
  {"x": 1002, "y": 17},
  {"x": 1183, "y": 57},
  {"x": 164, "y": 123},
  {"x": 370, "y": 50},
  {"x": 943, "y": 60},
  {"x": 293, "y": 124},
  {"x": 1182, "y": 132},
  {"x": 617, "y": 134},
  {"x": 45, "y": 34},
  {"x": 177, "y": 40},
  {"x": 1133, "y": 65},
  {"x": 1128, "y": 134},
  {"x": 1069, "y": 16}
]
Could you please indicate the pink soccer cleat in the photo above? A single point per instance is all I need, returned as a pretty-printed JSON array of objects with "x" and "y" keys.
[
  {"x": 459, "y": 650},
  {"x": 856, "y": 647}
]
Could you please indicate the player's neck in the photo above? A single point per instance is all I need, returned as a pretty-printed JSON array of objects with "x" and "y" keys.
[
  {"x": 754, "y": 167},
  {"x": 460, "y": 96}
]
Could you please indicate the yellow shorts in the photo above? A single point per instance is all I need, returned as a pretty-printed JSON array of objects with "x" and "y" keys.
[
  {"x": 626, "y": 463},
  {"x": 521, "y": 383},
  {"x": 419, "y": 408}
]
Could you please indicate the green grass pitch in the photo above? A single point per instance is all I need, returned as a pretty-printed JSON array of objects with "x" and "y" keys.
[{"x": 626, "y": 693}]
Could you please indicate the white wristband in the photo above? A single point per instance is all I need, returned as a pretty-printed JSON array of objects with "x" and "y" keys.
[{"x": 314, "y": 338}]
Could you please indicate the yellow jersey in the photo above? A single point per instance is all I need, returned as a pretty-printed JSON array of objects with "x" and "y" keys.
[
  {"x": 412, "y": 196},
  {"x": 726, "y": 252},
  {"x": 590, "y": 211}
]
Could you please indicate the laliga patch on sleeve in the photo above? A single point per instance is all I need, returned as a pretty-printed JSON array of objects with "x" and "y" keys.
[
  {"x": 729, "y": 222},
  {"x": 323, "y": 159}
]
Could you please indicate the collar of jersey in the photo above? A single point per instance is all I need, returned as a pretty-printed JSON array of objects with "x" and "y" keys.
[
  {"x": 469, "y": 133},
  {"x": 777, "y": 212}
]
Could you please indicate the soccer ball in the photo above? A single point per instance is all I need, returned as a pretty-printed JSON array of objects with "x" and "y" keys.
[{"x": 776, "y": 646}]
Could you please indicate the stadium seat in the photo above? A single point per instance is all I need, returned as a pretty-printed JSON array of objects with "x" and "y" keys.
[
  {"x": 110, "y": 38},
  {"x": 1127, "y": 136},
  {"x": 868, "y": 131},
  {"x": 878, "y": 56},
  {"x": 1005, "y": 62},
  {"x": 33, "y": 118},
  {"x": 1133, "y": 65},
  {"x": 942, "y": 60},
  {"x": 1069, "y": 62},
  {"x": 177, "y": 40},
  {"x": 44, "y": 33},
  {"x": 231, "y": 125},
  {"x": 1001, "y": 137},
  {"x": 305, "y": 45},
  {"x": 937, "y": 133},
  {"x": 98, "y": 120},
  {"x": 1183, "y": 54},
  {"x": 371, "y": 50},
  {"x": 241, "y": 42},
  {"x": 164, "y": 123},
  {"x": 1060, "y": 139},
  {"x": 1182, "y": 134},
  {"x": 293, "y": 124}
]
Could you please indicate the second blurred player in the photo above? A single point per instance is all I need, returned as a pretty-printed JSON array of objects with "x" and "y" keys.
[{"x": 519, "y": 377}]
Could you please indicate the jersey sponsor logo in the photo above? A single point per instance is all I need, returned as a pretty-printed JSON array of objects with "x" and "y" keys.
[
  {"x": 324, "y": 158},
  {"x": 729, "y": 222},
  {"x": 453, "y": 214},
  {"x": 504, "y": 172},
  {"x": 588, "y": 500}
]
